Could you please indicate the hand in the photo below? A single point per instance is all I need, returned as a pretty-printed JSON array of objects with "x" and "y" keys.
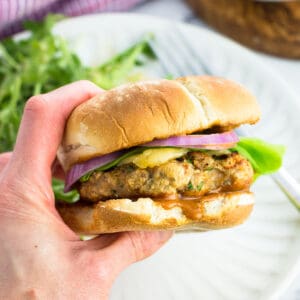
[{"x": 40, "y": 257}]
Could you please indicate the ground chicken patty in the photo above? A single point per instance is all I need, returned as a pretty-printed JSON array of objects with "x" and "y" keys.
[{"x": 195, "y": 174}]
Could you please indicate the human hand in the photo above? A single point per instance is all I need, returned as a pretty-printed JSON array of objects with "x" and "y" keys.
[{"x": 40, "y": 257}]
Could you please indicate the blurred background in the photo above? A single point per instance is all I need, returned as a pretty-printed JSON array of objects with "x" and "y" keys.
[{"x": 270, "y": 28}]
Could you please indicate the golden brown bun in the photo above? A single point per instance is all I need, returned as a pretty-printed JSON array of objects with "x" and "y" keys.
[
  {"x": 271, "y": 27},
  {"x": 137, "y": 113},
  {"x": 213, "y": 212}
]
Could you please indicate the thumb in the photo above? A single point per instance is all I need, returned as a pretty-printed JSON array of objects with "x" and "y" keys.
[
  {"x": 129, "y": 248},
  {"x": 42, "y": 128}
]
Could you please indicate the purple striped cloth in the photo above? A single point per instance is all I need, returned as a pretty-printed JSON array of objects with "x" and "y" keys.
[{"x": 14, "y": 12}]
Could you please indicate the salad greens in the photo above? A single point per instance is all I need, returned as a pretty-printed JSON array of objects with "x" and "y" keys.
[
  {"x": 43, "y": 62},
  {"x": 116, "y": 70}
]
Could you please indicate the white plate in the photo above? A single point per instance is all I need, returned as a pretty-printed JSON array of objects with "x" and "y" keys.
[{"x": 254, "y": 261}]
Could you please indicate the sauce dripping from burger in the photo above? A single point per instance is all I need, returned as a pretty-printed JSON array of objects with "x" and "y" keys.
[
  {"x": 192, "y": 209},
  {"x": 192, "y": 206}
]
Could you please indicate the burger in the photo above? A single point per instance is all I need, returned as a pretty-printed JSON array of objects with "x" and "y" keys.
[{"x": 163, "y": 154}]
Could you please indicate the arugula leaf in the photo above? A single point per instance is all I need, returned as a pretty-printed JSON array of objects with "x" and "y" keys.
[
  {"x": 58, "y": 189},
  {"x": 116, "y": 71},
  {"x": 43, "y": 62},
  {"x": 264, "y": 157}
]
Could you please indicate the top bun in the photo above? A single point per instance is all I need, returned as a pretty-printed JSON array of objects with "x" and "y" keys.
[{"x": 137, "y": 113}]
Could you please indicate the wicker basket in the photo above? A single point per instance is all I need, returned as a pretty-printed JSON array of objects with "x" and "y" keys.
[{"x": 272, "y": 27}]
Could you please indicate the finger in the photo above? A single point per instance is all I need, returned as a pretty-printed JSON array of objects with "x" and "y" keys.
[
  {"x": 130, "y": 247},
  {"x": 4, "y": 159},
  {"x": 103, "y": 241},
  {"x": 43, "y": 123}
]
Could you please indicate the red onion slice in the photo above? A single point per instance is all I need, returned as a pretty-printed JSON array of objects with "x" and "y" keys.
[
  {"x": 187, "y": 141},
  {"x": 78, "y": 170},
  {"x": 216, "y": 141},
  {"x": 211, "y": 147}
]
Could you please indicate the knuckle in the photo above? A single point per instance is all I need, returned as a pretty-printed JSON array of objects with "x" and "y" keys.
[
  {"x": 103, "y": 270},
  {"x": 4, "y": 158},
  {"x": 89, "y": 87},
  {"x": 36, "y": 104},
  {"x": 99, "y": 266},
  {"x": 11, "y": 185},
  {"x": 86, "y": 83}
]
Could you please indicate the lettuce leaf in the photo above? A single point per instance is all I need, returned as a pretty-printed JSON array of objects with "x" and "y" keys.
[
  {"x": 264, "y": 157},
  {"x": 60, "y": 195}
]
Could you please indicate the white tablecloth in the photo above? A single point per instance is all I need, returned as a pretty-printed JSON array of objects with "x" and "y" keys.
[{"x": 288, "y": 69}]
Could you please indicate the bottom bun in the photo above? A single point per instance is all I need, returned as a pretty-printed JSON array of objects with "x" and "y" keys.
[{"x": 211, "y": 212}]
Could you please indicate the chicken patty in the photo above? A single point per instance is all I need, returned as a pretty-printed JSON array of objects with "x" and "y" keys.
[{"x": 195, "y": 174}]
